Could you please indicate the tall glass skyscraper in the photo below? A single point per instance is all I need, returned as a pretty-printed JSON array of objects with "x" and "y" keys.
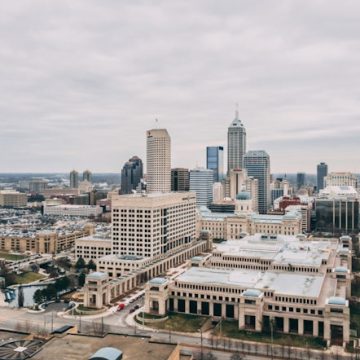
[
  {"x": 322, "y": 171},
  {"x": 201, "y": 182},
  {"x": 257, "y": 164},
  {"x": 74, "y": 179},
  {"x": 215, "y": 161},
  {"x": 131, "y": 175},
  {"x": 236, "y": 144},
  {"x": 300, "y": 180}
]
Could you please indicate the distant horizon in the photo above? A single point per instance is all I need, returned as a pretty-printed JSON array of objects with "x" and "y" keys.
[{"x": 80, "y": 90}]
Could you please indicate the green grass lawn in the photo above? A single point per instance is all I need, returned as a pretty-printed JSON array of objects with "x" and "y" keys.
[
  {"x": 181, "y": 322},
  {"x": 13, "y": 257},
  {"x": 231, "y": 329},
  {"x": 28, "y": 277}
]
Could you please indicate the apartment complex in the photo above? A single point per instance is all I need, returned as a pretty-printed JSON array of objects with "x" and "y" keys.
[
  {"x": 301, "y": 286},
  {"x": 12, "y": 198},
  {"x": 44, "y": 242}
]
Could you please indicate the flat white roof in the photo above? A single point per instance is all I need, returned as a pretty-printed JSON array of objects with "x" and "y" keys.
[{"x": 290, "y": 284}]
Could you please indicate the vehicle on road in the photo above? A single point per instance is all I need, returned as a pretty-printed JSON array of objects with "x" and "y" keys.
[{"x": 121, "y": 307}]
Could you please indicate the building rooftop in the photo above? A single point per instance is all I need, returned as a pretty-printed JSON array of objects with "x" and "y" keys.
[
  {"x": 108, "y": 353},
  {"x": 336, "y": 300},
  {"x": 291, "y": 284},
  {"x": 97, "y": 275},
  {"x": 158, "y": 281}
]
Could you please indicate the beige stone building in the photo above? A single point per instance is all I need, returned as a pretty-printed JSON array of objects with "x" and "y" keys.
[
  {"x": 12, "y": 198},
  {"x": 234, "y": 226},
  {"x": 294, "y": 284},
  {"x": 44, "y": 242}
]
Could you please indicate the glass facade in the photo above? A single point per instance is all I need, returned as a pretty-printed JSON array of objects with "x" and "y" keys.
[
  {"x": 215, "y": 161},
  {"x": 337, "y": 216}
]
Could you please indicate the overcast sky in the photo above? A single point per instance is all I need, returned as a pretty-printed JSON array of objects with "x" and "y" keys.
[{"x": 81, "y": 81}]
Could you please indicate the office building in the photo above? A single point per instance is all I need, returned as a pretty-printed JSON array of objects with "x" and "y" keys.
[
  {"x": 149, "y": 225},
  {"x": 263, "y": 282},
  {"x": 180, "y": 179},
  {"x": 73, "y": 210},
  {"x": 131, "y": 175},
  {"x": 218, "y": 192},
  {"x": 257, "y": 164},
  {"x": 74, "y": 179},
  {"x": 215, "y": 161},
  {"x": 158, "y": 152},
  {"x": 87, "y": 176},
  {"x": 341, "y": 179},
  {"x": 12, "y": 198},
  {"x": 201, "y": 182},
  {"x": 322, "y": 172},
  {"x": 236, "y": 143},
  {"x": 337, "y": 210},
  {"x": 300, "y": 180}
]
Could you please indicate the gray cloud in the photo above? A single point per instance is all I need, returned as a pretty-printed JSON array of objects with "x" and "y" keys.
[{"x": 81, "y": 81}]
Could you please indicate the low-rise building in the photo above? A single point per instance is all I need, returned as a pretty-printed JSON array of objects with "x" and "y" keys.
[
  {"x": 73, "y": 210},
  {"x": 293, "y": 284},
  {"x": 12, "y": 198}
]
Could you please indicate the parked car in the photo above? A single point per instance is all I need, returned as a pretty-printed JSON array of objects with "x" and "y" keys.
[
  {"x": 137, "y": 307},
  {"x": 132, "y": 310}
]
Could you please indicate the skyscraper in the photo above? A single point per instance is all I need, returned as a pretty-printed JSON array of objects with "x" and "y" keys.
[
  {"x": 322, "y": 171},
  {"x": 201, "y": 182},
  {"x": 131, "y": 175},
  {"x": 180, "y": 179},
  {"x": 74, "y": 179},
  {"x": 87, "y": 176},
  {"x": 300, "y": 180},
  {"x": 215, "y": 161},
  {"x": 158, "y": 153},
  {"x": 257, "y": 164},
  {"x": 236, "y": 144}
]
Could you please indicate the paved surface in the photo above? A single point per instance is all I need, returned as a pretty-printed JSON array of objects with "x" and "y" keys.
[{"x": 19, "y": 319}]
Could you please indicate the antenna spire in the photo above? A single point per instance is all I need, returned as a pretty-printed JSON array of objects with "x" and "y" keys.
[{"x": 237, "y": 111}]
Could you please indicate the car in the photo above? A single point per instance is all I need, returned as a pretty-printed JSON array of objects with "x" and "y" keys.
[
  {"x": 132, "y": 310},
  {"x": 121, "y": 307},
  {"x": 137, "y": 307}
]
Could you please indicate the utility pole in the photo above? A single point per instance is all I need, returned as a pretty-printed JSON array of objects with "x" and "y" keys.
[{"x": 52, "y": 322}]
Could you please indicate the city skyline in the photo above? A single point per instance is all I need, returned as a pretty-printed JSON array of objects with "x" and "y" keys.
[{"x": 81, "y": 72}]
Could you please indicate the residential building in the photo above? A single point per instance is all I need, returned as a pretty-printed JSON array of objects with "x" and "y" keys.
[
  {"x": 201, "y": 182},
  {"x": 158, "y": 152},
  {"x": 215, "y": 161},
  {"x": 180, "y": 179},
  {"x": 257, "y": 164},
  {"x": 131, "y": 175},
  {"x": 12, "y": 198},
  {"x": 322, "y": 172}
]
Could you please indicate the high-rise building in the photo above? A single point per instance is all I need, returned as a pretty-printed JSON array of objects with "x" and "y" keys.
[
  {"x": 201, "y": 182},
  {"x": 158, "y": 152},
  {"x": 164, "y": 222},
  {"x": 180, "y": 179},
  {"x": 131, "y": 175},
  {"x": 236, "y": 144},
  {"x": 257, "y": 164},
  {"x": 74, "y": 179},
  {"x": 322, "y": 171},
  {"x": 215, "y": 161},
  {"x": 87, "y": 176},
  {"x": 37, "y": 185},
  {"x": 300, "y": 180}
]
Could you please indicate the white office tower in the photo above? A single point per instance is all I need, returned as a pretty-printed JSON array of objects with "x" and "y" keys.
[
  {"x": 218, "y": 192},
  {"x": 158, "y": 152},
  {"x": 149, "y": 225},
  {"x": 201, "y": 182},
  {"x": 236, "y": 144}
]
